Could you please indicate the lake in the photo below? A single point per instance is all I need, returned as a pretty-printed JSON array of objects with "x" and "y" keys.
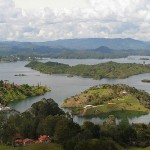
[{"x": 63, "y": 86}]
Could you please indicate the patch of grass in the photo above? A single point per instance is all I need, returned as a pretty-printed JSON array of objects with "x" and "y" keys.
[
  {"x": 137, "y": 148},
  {"x": 41, "y": 146},
  {"x": 4, "y": 147}
]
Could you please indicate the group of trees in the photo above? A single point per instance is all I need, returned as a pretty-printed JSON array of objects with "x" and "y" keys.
[
  {"x": 45, "y": 117},
  {"x": 10, "y": 92},
  {"x": 98, "y": 71}
]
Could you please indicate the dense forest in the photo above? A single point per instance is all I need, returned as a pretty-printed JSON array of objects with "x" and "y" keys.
[
  {"x": 98, "y": 71},
  {"x": 46, "y": 118},
  {"x": 10, "y": 92},
  {"x": 109, "y": 98}
]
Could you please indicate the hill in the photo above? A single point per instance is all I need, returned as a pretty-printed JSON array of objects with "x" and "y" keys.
[{"x": 107, "y": 99}]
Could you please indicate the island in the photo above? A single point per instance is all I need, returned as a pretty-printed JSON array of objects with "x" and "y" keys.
[
  {"x": 146, "y": 80},
  {"x": 20, "y": 75},
  {"x": 144, "y": 58},
  {"x": 107, "y": 98},
  {"x": 10, "y": 92},
  {"x": 98, "y": 71}
]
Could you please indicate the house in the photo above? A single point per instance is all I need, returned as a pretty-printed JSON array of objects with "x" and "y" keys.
[
  {"x": 18, "y": 143},
  {"x": 88, "y": 106},
  {"x": 44, "y": 139},
  {"x": 124, "y": 92},
  {"x": 37, "y": 141},
  {"x": 17, "y": 140},
  {"x": 27, "y": 142}
]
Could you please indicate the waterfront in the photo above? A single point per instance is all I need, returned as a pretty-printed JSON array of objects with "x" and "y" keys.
[{"x": 63, "y": 86}]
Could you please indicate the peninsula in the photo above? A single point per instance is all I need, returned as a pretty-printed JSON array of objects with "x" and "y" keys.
[
  {"x": 10, "y": 92},
  {"x": 98, "y": 71},
  {"x": 107, "y": 99}
]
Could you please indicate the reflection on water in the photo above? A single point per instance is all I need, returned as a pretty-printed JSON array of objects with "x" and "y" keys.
[{"x": 63, "y": 86}]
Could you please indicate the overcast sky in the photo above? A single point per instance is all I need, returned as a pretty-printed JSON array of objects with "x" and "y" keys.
[{"x": 43, "y": 20}]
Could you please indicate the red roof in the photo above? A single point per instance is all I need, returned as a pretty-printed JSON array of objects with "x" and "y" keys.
[
  {"x": 43, "y": 138},
  {"x": 27, "y": 140},
  {"x": 37, "y": 141},
  {"x": 18, "y": 141}
]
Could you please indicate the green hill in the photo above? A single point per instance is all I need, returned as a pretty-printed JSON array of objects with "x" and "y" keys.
[{"x": 107, "y": 99}]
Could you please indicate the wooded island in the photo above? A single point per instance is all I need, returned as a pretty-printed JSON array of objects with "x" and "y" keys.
[
  {"x": 10, "y": 92},
  {"x": 98, "y": 71}
]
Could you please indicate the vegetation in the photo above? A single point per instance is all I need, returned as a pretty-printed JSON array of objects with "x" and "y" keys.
[
  {"x": 46, "y": 118},
  {"x": 109, "y": 98},
  {"x": 103, "y": 70},
  {"x": 137, "y": 148},
  {"x": 8, "y": 58},
  {"x": 146, "y": 80},
  {"x": 40, "y": 146},
  {"x": 10, "y": 92}
]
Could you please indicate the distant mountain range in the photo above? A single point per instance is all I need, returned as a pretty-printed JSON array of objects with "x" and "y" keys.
[
  {"x": 64, "y": 47},
  {"x": 93, "y": 43}
]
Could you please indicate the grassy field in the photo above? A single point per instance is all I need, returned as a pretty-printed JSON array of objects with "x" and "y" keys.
[
  {"x": 41, "y": 146},
  {"x": 126, "y": 103},
  {"x": 136, "y": 148}
]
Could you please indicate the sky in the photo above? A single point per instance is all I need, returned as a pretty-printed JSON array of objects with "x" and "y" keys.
[{"x": 45, "y": 20}]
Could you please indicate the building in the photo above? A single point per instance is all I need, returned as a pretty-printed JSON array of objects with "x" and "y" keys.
[
  {"x": 88, "y": 106},
  {"x": 27, "y": 142},
  {"x": 44, "y": 139},
  {"x": 18, "y": 143}
]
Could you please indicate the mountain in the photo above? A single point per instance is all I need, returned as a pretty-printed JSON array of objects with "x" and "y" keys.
[
  {"x": 93, "y": 43},
  {"x": 103, "y": 49},
  {"x": 77, "y": 48},
  {"x": 82, "y": 44}
]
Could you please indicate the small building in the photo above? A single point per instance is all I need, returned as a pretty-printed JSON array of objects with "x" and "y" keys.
[
  {"x": 27, "y": 142},
  {"x": 37, "y": 141},
  {"x": 124, "y": 92},
  {"x": 44, "y": 139},
  {"x": 18, "y": 143},
  {"x": 88, "y": 106},
  {"x": 17, "y": 140}
]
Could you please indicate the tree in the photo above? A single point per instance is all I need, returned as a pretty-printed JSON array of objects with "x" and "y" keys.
[
  {"x": 94, "y": 129},
  {"x": 65, "y": 129}
]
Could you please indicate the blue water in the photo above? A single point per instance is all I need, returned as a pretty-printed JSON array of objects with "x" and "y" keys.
[{"x": 63, "y": 86}]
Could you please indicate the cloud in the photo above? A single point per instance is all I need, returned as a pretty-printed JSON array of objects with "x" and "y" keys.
[{"x": 102, "y": 18}]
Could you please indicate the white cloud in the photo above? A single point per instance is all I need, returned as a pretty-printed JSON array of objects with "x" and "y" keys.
[
  {"x": 30, "y": 4},
  {"x": 100, "y": 18}
]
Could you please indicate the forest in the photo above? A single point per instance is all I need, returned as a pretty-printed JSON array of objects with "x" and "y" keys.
[
  {"x": 10, "y": 92},
  {"x": 98, "y": 71}
]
